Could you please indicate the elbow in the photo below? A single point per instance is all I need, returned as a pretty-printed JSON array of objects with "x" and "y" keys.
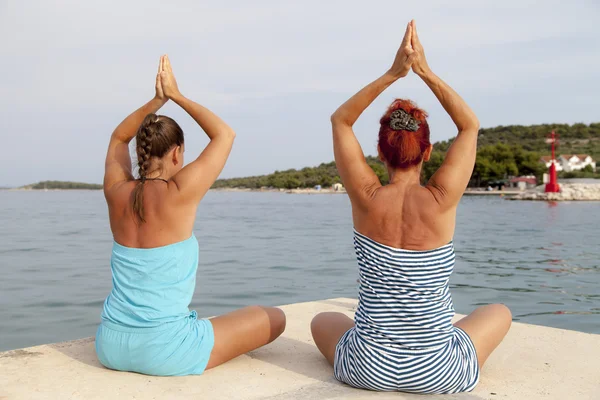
[
  {"x": 471, "y": 126},
  {"x": 222, "y": 135},
  {"x": 334, "y": 118},
  {"x": 474, "y": 123},
  {"x": 338, "y": 119},
  {"x": 120, "y": 137},
  {"x": 229, "y": 134}
]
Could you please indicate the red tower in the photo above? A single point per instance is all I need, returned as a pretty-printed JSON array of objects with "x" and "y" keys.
[{"x": 552, "y": 185}]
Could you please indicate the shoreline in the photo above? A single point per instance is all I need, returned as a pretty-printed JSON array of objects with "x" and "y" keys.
[
  {"x": 274, "y": 190},
  {"x": 47, "y": 190},
  {"x": 283, "y": 191},
  {"x": 569, "y": 192}
]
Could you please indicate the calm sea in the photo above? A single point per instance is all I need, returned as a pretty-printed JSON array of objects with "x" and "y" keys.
[{"x": 542, "y": 260}]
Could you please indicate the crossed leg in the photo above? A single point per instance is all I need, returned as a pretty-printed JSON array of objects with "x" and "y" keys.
[
  {"x": 327, "y": 329},
  {"x": 486, "y": 326},
  {"x": 244, "y": 330}
]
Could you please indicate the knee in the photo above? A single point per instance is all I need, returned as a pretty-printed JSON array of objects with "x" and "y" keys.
[
  {"x": 503, "y": 313},
  {"x": 319, "y": 322},
  {"x": 277, "y": 321},
  {"x": 316, "y": 322},
  {"x": 315, "y": 326}
]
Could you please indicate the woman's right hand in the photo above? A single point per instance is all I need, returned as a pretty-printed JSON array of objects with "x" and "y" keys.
[
  {"x": 419, "y": 63},
  {"x": 167, "y": 79},
  {"x": 404, "y": 56}
]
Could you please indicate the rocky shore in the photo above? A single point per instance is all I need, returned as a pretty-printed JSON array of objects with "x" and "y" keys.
[{"x": 568, "y": 192}]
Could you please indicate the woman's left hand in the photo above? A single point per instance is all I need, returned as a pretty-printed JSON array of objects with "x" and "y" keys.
[
  {"x": 167, "y": 79},
  {"x": 160, "y": 94},
  {"x": 419, "y": 63},
  {"x": 404, "y": 56}
]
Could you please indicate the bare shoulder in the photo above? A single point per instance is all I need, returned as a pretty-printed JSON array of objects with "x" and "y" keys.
[
  {"x": 157, "y": 194},
  {"x": 119, "y": 192},
  {"x": 404, "y": 217},
  {"x": 415, "y": 204},
  {"x": 426, "y": 196},
  {"x": 120, "y": 205},
  {"x": 398, "y": 195},
  {"x": 167, "y": 218},
  {"x": 398, "y": 202}
]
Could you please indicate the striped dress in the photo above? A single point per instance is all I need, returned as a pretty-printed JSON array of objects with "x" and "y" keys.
[{"x": 403, "y": 339}]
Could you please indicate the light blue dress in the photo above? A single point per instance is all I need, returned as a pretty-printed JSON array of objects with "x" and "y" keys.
[{"x": 147, "y": 326}]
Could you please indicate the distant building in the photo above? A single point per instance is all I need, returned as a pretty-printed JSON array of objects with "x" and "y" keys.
[
  {"x": 576, "y": 162},
  {"x": 523, "y": 182},
  {"x": 570, "y": 162},
  {"x": 337, "y": 187},
  {"x": 547, "y": 160}
]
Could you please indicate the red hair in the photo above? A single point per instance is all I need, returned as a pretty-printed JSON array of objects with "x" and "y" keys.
[{"x": 403, "y": 149}]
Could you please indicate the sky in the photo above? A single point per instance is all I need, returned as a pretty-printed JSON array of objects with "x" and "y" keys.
[{"x": 275, "y": 71}]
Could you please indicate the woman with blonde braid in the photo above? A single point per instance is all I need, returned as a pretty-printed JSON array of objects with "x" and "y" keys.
[{"x": 146, "y": 324}]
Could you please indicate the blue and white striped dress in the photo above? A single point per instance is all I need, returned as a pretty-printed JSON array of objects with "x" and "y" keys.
[{"x": 403, "y": 337}]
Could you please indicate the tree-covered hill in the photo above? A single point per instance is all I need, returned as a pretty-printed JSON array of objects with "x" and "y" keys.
[
  {"x": 503, "y": 151},
  {"x": 52, "y": 185},
  {"x": 573, "y": 139},
  {"x": 325, "y": 175}
]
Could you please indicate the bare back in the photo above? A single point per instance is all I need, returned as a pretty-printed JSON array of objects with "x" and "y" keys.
[
  {"x": 168, "y": 218},
  {"x": 406, "y": 217}
]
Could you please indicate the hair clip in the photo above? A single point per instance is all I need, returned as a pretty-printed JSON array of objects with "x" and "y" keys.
[{"x": 400, "y": 120}]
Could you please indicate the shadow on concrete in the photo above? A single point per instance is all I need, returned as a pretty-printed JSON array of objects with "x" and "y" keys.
[
  {"x": 305, "y": 359},
  {"x": 316, "y": 391},
  {"x": 296, "y": 356},
  {"x": 81, "y": 350},
  {"x": 289, "y": 354}
]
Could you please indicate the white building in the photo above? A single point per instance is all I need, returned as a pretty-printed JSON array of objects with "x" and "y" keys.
[
  {"x": 570, "y": 162},
  {"x": 576, "y": 162},
  {"x": 523, "y": 182},
  {"x": 547, "y": 160}
]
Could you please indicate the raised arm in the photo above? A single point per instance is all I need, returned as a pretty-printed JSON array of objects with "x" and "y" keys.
[
  {"x": 451, "y": 179},
  {"x": 194, "y": 180},
  {"x": 358, "y": 178},
  {"x": 117, "y": 167}
]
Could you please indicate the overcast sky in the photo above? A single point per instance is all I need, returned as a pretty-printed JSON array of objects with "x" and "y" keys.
[{"x": 275, "y": 71}]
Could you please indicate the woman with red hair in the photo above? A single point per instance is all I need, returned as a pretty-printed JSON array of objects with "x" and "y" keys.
[{"x": 402, "y": 337}]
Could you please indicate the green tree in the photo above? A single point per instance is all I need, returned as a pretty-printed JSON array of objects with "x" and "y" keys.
[{"x": 434, "y": 163}]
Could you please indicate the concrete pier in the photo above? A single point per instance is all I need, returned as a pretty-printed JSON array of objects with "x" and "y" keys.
[{"x": 533, "y": 362}]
